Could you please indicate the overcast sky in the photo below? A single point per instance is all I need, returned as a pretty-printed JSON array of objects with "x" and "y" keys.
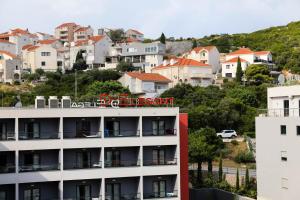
[{"x": 178, "y": 18}]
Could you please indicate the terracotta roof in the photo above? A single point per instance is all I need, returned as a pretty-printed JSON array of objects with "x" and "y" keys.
[
  {"x": 46, "y": 41},
  {"x": 26, "y": 46},
  {"x": 32, "y": 48},
  {"x": 66, "y": 25},
  {"x": 149, "y": 77},
  {"x": 82, "y": 29},
  {"x": 234, "y": 60},
  {"x": 183, "y": 62},
  {"x": 198, "y": 49},
  {"x": 6, "y": 41},
  {"x": 96, "y": 38},
  {"x": 8, "y": 53},
  {"x": 262, "y": 52},
  {"x": 135, "y": 31},
  {"x": 129, "y": 40},
  {"x": 241, "y": 51}
]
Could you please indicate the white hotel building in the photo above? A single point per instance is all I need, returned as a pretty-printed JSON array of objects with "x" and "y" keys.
[
  {"x": 92, "y": 153},
  {"x": 278, "y": 145}
]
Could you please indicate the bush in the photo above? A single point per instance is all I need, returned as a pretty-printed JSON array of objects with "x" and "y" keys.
[
  {"x": 244, "y": 157},
  {"x": 234, "y": 142},
  {"x": 250, "y": 134}
]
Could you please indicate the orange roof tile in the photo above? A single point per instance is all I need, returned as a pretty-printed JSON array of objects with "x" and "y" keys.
[
  {"x": 136, "y": 31},
  {"x": 183, "y": 62},
  {"x": 8, "y": 53},
  {"x": 26, "y": 46},
  {"x": 234, "y": 60},
  {"x": 242, "y": 51},
  {"x": 66, "y": 25},
  {"x": 97, "y": 38},
  {"x": 149, "y": 77},
  {"x": 5, "y": 41},
  {"x": 262, "y": 52},
  {"x": 32, "y": 48},
  {"x": 46, "y": 41},
  {"x": 82, "y": 29}
]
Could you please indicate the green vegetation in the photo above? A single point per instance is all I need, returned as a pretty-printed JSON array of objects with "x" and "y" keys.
[
  {"x": 258, "y": 74},
  {"x": 239, "y": 71},
  {"x": 80, "y": 63},
  {"x": 162, "y": 38},
  {"x": 125, "y": 67},
  {"x": 237, "y": 180},
  {"x": 244, "y": 157},
  {"x": 282, "y": 41},
  {"x": 116, "y": 35}
]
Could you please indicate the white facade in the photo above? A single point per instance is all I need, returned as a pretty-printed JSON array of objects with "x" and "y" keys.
[
  {"x": 229, "y": 67},
  {"x": 277, "y": 145},
  {"x": 56, "y": 167},
  {"x": 135, "y": 35},
  {"x": 7, "y": 46},
  {"x": 83, "y": 33},
  {"x": 10, "y": 68}
]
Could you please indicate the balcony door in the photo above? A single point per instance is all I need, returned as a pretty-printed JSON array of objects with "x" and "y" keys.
[
  {"x": 3, "y": 163},
  {"x": 32, "y": 194},
  {"x": 83, "y": 192},
  {"x": 3, "y": 132},
  {"x": 158, "y": 156},
  {"x": 286, "y": 106},
  {"x": 159, "y": 188},
  {"x": 31, "y": 161},
  {"x": 83, "y": 159},
  {"x": 113, "y": 128},
  {"x": 3, "y": 195},
  {"x": 32, "y": 130},
  {"x": 83, "y": 128},
  {"x": 113, "y": 191},
  {"x": 158, "y": 127},
  {"x": 113, "y": 158}
]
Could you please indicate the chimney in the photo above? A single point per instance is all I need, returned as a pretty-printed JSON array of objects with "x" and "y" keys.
[
  {"x": 66, "y": 102},
  {"x": 53, "y": 102},
  {"x": 40, "y": 102}
]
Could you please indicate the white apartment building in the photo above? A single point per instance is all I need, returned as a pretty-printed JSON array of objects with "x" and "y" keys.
[
  {"x": 92, "y": 153},
  {"x": 142, "y": 55},
  {"x": 229, "y": 67},
  {"x": 277, "y": 145},
  {"x": 10, "y": 67},
  {"x": 7, "y": 46},
  {"x": 183, "y": 70},
  {"x": 83, "y": 33},
  {"x": 65, "y": 32},
  {"x": 146, "y": 85},
  {"x": 207, "y": 55},
  {"x": 44, "y": 36},
  {"x": 95, "y": 49},
  {"x": 134, "y": 35}
]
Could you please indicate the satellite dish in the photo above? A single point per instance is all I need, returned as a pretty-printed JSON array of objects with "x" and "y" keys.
[{"x": 281, "y": 79}]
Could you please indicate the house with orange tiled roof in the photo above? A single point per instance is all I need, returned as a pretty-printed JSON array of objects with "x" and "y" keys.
[
  {"x": 10, "y": 67},
  {"x": 184, "y": 70},
  {"x": 146, "y": 85},
  {"x": 44, "y": 36},
  {"x": 134, "y": 35},
  {"x": 248, "y": 57},
  {"x": 65, "y": 32},
  {"x": 83, "y": 33},
  {"x": 205, "y": 54}
]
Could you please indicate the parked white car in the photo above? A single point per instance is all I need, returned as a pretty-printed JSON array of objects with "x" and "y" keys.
[{"x": 227, "y": 134}]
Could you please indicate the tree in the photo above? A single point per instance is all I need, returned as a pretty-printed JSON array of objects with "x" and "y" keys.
[
  {"x": 237, "y": 180},
  {"x": 194, "y": 43},
  {"x": 220, "y": 169},
  {"x": 239, "y": 71},
  {"x": 247, "y": 179},
  {"x": 258, "y": 74},
  {"x": 108, "y": 87},
  {"x": 80, "y": 63},
  {"x": 125, "y": 67},
  {"x": 162, "y": 38},
  {"x": 117, "y": 35}
]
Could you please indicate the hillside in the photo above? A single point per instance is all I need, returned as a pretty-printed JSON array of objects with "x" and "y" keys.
[{"x": 282, "y": 41}]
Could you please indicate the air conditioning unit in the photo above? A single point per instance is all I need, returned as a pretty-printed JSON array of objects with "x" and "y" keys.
[
  {"x": 66, "y": 102},
  {"x": 53, "y": 102},
  {"x": 40, "y": 102}
]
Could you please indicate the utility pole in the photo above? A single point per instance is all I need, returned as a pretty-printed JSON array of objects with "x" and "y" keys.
[{"x": 75, "y": 85}]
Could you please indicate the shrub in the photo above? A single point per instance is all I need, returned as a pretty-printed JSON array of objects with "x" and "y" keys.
[
  {"x": 234, "y": 142},
  {"x": 244, "y": 157},
  {"x": 250, "y": 134}
]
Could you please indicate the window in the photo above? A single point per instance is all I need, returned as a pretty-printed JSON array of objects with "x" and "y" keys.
[
  {"x": 284, "y": 183},
  {"x": 283, "y": 156},
  {"x": 3, "y": 195},
  {"x": 298, "y": 130},
  {"x": 32, "y": 194},
  {"x": 158, "y": 127},
  {"x": 83, "y": 159},
  {"x": 45, "y": 53},
  {"x": 227, "y": 66},
  {"x": 113, "y": 191},
  {"x": 286, "y": 107},
  {"x": 283, "y": 129},
  {"x": 113, "y": 158},
  {"x": 83, "y": 192},
  {"x": 43, "y": 63},
  {"x": 203, "y": 54},
  {"x": 229, "y": 75},
  {"x": 159, "y": 189},
  {"x": 158, "y": 156}
]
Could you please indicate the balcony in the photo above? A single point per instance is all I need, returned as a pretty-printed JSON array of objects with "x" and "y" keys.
[
  {"x": 157, "y": 187},
  {"x": 7, "y": 192},
  {"x": 159, "y": 126},
  {"x": 122, "y": 188},
  {"x": 89, "y": 189},
  {"x": 39, "y": 190},
  {"x": 82, "y": 158},
  {"x": 88, "y": 127},
  {"x": 39, "y": 128},
  {"x": 7, "y": 162},
  {"x": 279, "y": 112},
  {"x": 7, "y": 129},
  {"x": 42, "y": 160},
  {"x": 159, "y": 155},
  {"x": 122, "y": 157},
  {"x": 121, "y": 127}
]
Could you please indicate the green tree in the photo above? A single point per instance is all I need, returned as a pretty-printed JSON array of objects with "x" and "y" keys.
[
  {"x": 117, "y": 35},
  {"x": 162, "y": 38},
  {"x": 258, "y": 74},
  {"x": 247, "y": 179},
  {"x": 125, "y": 67},
  {"x": 220, "y": 168},
  {"x": 80, "y": 63},
  {"x": 237, "y": 180},
  {"x": 195, "y": 44},
  {"x": 239, "y": 71},
  {"x": 108, "y": 87}
]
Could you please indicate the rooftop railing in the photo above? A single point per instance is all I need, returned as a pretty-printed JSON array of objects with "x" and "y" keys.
[{"x": 279, "y": 112}]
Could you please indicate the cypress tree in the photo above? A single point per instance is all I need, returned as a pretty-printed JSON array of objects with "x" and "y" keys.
[
  {"x": 247, "y": 181},
  {"x": 162, "y": 38},
  {"x": 239, "y": 72},
  {"x": 237, "y": 181},
  {"x": 220, "y": 169},
  {"x": 195, "y": 43}
]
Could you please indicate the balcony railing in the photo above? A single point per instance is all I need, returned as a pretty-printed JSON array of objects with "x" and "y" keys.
[
  {"x": 280, "y": 112},
  {"x": 10, "y": 168},
  {"x": 160, "y": 162},
  {"x": 38, "y": 135},
  {"x": 121, "y": 133},
  {"x": 129, "y": 196},
  {"x": 160, "y": 132},
  {"x": 162, "y": 194},
  {"x": 33, "y": 168},
  {"x": 7, "y": 136},
  {"x": 83, "y": 134},
  {"x": 122, "y": 163},
  {"x": 85, "y": 166}
]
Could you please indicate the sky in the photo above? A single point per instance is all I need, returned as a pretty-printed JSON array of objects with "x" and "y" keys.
[{"x": 176, "y": 18}]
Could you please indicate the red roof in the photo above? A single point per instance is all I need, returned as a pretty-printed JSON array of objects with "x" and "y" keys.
[
  {"x": 183, "y": 62},
  {"x": 8, "y": 53},
  {"x": 66, "y": 25},
  {"x": 149, "y": 77},
  {"x": 262, "y": 52},
  {"x": 26, "y": 46},
  {"x": 235, "y": 60},
  {"x": 32, "y": 48},
  {"x": 198, "y": 49},
  {"x": 6, "y": 41},
  {"x": 135, "y": 31},
  {"x": 96, "y": 38},
  {"x": 82, "y": 29},
  {"x": 46, "y": 41},
  {"x": 242, "y": 51}
]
